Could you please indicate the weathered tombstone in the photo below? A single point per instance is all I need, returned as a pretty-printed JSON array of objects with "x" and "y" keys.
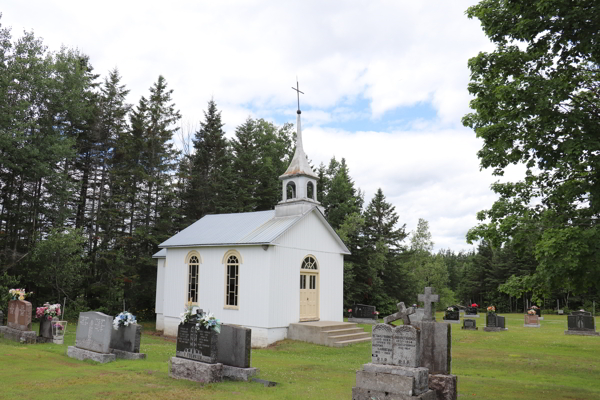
[
  {"x": 92, "y": 339},
  {"x": 452, "y": 315},
  {"x": 18, "y": 323},
  {"x": 403, "y": 313},
  {"x": 382, "y": 344},
  {"x": 531, "y": 321},
  {"x": 418, "y": 315},
  {"x": 399, "y": 376},
  {"x": 469, "y": 324},
  {"x": 436, "y": 349},
  {"x": 125, "y": 342},
  {"x": 234, "y": 351},
  {"x": 363, "y": 314},
  {"x": 494, "y": 323},
  {"x": 581, "y": 323}
]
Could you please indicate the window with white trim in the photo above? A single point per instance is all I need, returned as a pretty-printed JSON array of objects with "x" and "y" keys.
[
  {"x": 193, "y": 270},
  {"x": 232, "y": 281}
]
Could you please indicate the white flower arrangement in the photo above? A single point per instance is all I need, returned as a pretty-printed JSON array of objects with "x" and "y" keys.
[
  {"x": 124, "y": 319},
  {"x": 205, "y": 321}
]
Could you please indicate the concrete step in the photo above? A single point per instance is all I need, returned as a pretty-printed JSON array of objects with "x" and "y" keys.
[
  {"x": 352, "y": 341},
  {"x": 345, "y": 325},
  {"x": 342, "y": 331},
  {"x": 327, "y": 333}
]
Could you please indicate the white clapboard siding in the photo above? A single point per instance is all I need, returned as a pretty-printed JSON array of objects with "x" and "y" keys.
[
  {"x": 307, "y": 237},
  {"x": 252, "y": 290},
  {"x": 160, "y": 276}
]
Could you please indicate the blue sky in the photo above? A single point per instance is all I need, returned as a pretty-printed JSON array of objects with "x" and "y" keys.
[{"x": 385, "y": 82}]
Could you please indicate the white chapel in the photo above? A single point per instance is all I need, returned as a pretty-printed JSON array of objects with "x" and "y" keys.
[{"x": 263, "y": 270}]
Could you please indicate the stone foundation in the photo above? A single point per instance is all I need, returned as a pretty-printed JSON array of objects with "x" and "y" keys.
[
  {"x": 197, "y": 371},
  {"x": 128, "y": 355},
  {"x": 238, "y": 374},
  {"x": 419, "y": 376},
  {"x": 445, "y": 386},
  {"x": 81, "y": 354},
  {"x": 28, "y": 337}
]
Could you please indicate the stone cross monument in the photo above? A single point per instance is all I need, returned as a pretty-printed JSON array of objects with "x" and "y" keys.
[
  {"x": 403, "y": 313},
  {"x": 428, "y": 299}
]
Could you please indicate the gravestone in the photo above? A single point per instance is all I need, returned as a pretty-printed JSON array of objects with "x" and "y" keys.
[
  {"x": 92, "y": 339},
  {"x": 452, "y": 315},
  {"x": 363, "y": 314},
  {"x": 45, "y": 334},
  {"x": 494, "y": 323},
  {"x": 531, "y": 321},
  {"x": 196, "y": 355},
  {"x": 398, "y": 375},
  {"x": 581, "y": 323},
  {"x": 538, "y": 312},
  {"x": 471, "y": 312},
  {"x": 19, "y": 315},
  {"x": 196, "y": 344},
  {"x": 382, "y": 344},
  {"x": 403, "y": 313},
  {"x": 125, "y": 342},
  {"x": 234, "y": 351},
  {"x": 18, "y": 322},
  {"x": 469, "y": 324}
]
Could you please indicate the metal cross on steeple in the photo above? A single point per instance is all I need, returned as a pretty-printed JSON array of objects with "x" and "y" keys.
[
  {"x": 297, "y": 89},
  {"x": 403, "y": 313}
]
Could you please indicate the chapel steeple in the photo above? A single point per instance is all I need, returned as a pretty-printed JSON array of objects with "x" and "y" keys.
[{"x": 299, "y": 181}]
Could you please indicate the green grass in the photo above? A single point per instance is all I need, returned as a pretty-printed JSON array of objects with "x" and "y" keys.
[{"x": 521, "y": 363}]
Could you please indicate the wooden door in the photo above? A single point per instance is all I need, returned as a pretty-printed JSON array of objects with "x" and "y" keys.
[{"x": 309, "y": 297}]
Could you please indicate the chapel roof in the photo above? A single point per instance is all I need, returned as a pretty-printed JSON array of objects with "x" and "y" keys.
[{"x": 250, "y": 228}]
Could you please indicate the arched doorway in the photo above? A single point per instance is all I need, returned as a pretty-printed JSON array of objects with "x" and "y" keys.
[{"x": 309, "y": 289}]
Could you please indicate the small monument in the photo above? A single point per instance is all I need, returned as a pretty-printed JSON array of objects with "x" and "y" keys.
[
  {"x": 581, "y": 323},
  {"x": 531, "y": 320},
  {"x": 471, "y": 311},
  {"x": 469, "y": 324},
  {"x": 364, "y": 314},
  {"x": 92, "y": 339},
  {"x": 538, "y": 312},
  {"x": 494, "y": 322},
  {"x": 18, "y": 324},
  {"x": 394, "y": 371},
  {"x": 234, "y": 351},
  {"x": 452, "y": 315},
  {"x": 125, "y": 342}
]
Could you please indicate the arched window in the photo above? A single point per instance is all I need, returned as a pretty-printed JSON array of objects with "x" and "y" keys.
[
  {"x": 310, "y": 190},
  {"x": 290, "y": 190},
  {"x": 309, "y": 263},
  {"x": 232, "y": 262},
  {"x": 193, "y": 262}
]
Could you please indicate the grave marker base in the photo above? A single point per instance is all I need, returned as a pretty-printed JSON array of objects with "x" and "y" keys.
[
  {"x": 471, "y": 315},
  {"x": 582, "y": 333},
  {"x": 197, "y": 371},
  {"x": 128, "y": 355},
  {"x": 82, "y": 354},
  {"x": 531, "y": 325},
  {"x": 419, "y": 375},
  {"x": 487, "y": 329},
  {"x": 238, "y": 374},
  {"x": 451, "y": 321},
  {"x": 469, "y": 328},
  {"x": 27, "y": 337},
  {"x": 445, "y": 386},
  {"x": 366, "y": 394}
]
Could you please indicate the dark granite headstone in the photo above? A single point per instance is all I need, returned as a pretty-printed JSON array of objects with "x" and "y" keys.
[
  {"x": 197, "y": 344},
  {"x": 234, "y": 346},
  {"x": 471, "y": 311},
  {"x": 452, "y": 315},
  {"x": 501, "y": 321},
  {"x": 580, "y": 321},
  {"x": 469, "y": 324},
  {"x": 363, "y": 311},
  {"x": 491, "y": 321},
  {"x": 126, "y": 338}
]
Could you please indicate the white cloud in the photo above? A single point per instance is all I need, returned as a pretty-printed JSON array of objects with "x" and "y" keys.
[{"x": 247, "y": 54}]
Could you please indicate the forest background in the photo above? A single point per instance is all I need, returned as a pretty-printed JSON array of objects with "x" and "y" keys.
[{"x": 90, "y": 185}]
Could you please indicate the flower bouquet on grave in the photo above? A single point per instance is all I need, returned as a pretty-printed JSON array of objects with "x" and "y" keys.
[
  {"x": 58, "y": 331},
  {"x": 48, "y": 311},
  {"x": 349, "y": 313},
  {"x": 206, "y": 321},
  {"x": 124, "y": 319},
  {"x": 19, "y": 294},
  {"x": 491, "y": 310},
  {"x": 531, "y": 312}
]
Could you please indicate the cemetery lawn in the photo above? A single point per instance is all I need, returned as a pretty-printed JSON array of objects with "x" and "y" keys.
[{"x": 521, "y": 363}]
